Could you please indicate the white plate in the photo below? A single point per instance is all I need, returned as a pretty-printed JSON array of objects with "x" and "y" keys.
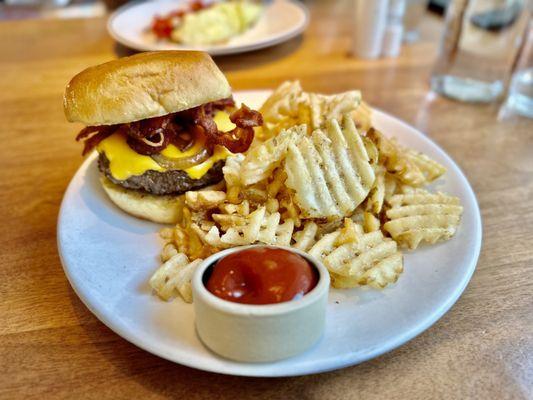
[
  {"x": 109, "y": 256},
  {"x": 282, "y": 20}
]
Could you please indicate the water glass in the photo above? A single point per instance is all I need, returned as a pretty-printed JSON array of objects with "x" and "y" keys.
[
  {"x": 479, "y": 48},
  {"x": 520, "y": 97}
]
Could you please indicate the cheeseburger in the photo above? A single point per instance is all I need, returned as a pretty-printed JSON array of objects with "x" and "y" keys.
[{"x": 162, "y": 123}]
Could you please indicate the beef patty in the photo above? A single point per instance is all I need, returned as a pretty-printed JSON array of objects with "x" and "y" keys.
[{"x": 168, "y": 182}]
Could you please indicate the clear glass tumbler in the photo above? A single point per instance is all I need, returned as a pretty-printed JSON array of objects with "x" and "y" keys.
[
  {"x": 520, "y": 95},
  {"x": 479, "y": 48}
]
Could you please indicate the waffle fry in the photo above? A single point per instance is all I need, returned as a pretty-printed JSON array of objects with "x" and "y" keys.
[
  {"x": 289, "y": 106},
  {"x": 263, "y": 159},
  {"x": 422, "y": 216},
  {"x": 204, "y": 199},
  {"x": 231, "y": 171},
  {"x": 376, "y": 197},
  {"x": 355, "y": 258},
  {"x": 379, "y": 276},
  {"x": 362, "y": 117},
  {"x": 349, "y": 232},
  {"x": 329, "y": 174},
  {"x": 396, "y": 162},
  {"x": 371, "y": 260},
  {"x": 310, "y": 183},
  {"x": 305, "y": 238},
  {"x": 257, "y": 227},
  {"x": 241, "y": 209},
  {"x": 429, "y": 168},
  {"x": 167, "y": 234},
  {"x": 174, "y": 277},
  {"x": 324, "y": 108},
  {"x": 370, "y": 222},
  {"x": 169, "y": 251},
  {"x": 282, "y": 109},
  {"x": 282, "y": 103}
]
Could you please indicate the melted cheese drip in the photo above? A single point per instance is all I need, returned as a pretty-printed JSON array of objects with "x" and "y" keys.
[{"x": 125, "y": 162}]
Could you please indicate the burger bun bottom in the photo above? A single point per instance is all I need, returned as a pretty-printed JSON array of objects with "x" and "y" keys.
[{"x": 160, "y": 209}]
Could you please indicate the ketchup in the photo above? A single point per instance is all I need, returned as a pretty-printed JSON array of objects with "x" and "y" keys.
[
  {"x": 162, "y": 27},
  {"x": 262, "y": 276}
]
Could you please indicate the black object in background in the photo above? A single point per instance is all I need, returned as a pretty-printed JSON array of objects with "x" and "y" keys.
[
  {"x": 438, "y": 6},
  {"x": 498, "y": 18}
]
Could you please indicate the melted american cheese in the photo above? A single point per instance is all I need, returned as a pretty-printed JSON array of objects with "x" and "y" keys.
[{"x": 125, "y": 162}]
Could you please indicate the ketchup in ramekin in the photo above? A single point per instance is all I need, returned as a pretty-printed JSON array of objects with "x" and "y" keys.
[{"x": 262, "y": 275}]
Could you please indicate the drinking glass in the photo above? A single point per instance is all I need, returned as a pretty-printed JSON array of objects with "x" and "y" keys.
[
  {"x": 414, "y": 11},
  {"x": 479, "y": 48},
  {"x": 520, "y": 96}
]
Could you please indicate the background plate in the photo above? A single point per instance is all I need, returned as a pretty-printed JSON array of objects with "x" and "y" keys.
[
  {"x": 281, "y": 21},
  {"x": 109, "y": 256}
]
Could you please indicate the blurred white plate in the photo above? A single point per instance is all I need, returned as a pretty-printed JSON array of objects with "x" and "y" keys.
[
  {"x": 109, "y": 256},
  {"x": 282, "y": 20}
]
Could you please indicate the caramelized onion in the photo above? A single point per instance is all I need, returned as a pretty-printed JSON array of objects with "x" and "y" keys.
[
  {"x": 152, "y": 141},
  {"x": 150, "y": 145},
  {"x": 182, "y": 163}
]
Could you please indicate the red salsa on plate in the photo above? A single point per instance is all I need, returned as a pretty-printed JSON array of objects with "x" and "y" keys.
[
  {"x": 162, "y": 26},
  {"x": 262, "y": 275}
]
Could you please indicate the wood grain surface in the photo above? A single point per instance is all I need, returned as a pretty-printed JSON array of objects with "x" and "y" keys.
[{"x": 51, "y": 346}]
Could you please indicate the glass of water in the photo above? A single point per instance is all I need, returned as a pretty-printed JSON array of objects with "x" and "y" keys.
[
  {"x": 520, "y": 96},
  {"x": 479, "y": 48}
]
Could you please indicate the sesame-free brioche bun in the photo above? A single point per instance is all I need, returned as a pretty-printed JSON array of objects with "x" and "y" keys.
[
  {"x": 143, "y": 86},
  {"x": 156, "y": 208}
]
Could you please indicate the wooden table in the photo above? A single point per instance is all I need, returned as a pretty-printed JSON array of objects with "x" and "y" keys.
[{"x": 51, "y": 346}]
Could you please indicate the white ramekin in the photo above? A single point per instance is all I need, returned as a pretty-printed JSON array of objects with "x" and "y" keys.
[{"x": 259, "y": 333}]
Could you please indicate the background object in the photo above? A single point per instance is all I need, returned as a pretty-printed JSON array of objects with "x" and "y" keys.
[
  {"x": 281, "y": 20},
  {"x": 520, "y": 96},
  {"x": 414, "y": 12},
  {"x": 438, "y": 6},
  {"x": 368, "y": 29},
  {"x": 50, "y": 9},
  {"x": 392, "y": 39},
  {"x": 479, "y": 48}
]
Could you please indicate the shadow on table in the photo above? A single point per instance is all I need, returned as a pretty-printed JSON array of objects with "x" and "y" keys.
[{"x": 242, "y": 61}]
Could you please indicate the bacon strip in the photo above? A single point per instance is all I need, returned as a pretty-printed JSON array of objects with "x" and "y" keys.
[
  {"x": 151, "y": 136},
  {"x": 237, "y": 140},
  {"x": 86, "y": 132},
  {"x": 93, "y": 141}
]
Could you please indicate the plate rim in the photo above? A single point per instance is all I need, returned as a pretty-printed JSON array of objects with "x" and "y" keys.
[
  {"x": 326, "y": 364},
  {"x": 297, "y": 30}
]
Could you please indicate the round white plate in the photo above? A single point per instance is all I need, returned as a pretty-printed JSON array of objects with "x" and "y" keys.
[
  {"x": 282, "y": 20},
  {"x": 109, "y": 256}
]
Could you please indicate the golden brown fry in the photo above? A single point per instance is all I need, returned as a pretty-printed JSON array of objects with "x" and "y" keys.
[
  {"x": 373, "y": 260},
  {"x": 395, "y": 160},
  {"x": 329, "y": 174},
  {"x": 306, "y": 238},
  {"x": 370, "y": 222},
  {"x": 319, "y": 187},
  {"x": 422, "y": 216},
  {"x": 174, "y": 277},
  {"x": 169, "y": 251},
  {"x": 204, "y": 199},
  {"x": 263, "y": 159}
]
